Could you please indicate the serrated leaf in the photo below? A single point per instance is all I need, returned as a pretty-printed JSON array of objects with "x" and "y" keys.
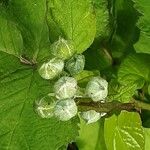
[
  {"x": 10, "y": 37},
  {"x": 102, "y": 18},
  {"x": 135, "y": 68},
  {"x": 143, "y": 44},
  {"x": 91, "y": 136},
  {"x": 124, "y": 131},
  {"x": 120, "y": 92},
  {"x": 30, "y": 16},
  {"x": 20, "y": 126},
  {"x": 133, "y": 73},
  {"x": 73, "y": 20}
]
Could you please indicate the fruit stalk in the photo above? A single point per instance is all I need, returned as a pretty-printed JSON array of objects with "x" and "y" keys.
[{"x": 85, "y": 104}]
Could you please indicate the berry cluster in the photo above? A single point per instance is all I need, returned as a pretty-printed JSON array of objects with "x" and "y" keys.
[{"x": 61, "y": 104}]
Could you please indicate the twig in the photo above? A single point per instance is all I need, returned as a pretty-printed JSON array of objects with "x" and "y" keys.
[{"x": 85, "y": 104}]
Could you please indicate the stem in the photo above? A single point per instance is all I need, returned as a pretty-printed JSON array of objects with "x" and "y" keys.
[
  {"x": 25, "y": 61},
  {"x": 142, "y": 105},
  {"x": 85, "y": 104}
]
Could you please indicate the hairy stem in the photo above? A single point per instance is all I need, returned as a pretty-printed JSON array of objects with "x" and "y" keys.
[{"x": 85, "y": 104}]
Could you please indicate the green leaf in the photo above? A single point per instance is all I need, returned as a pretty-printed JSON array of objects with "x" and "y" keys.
[
  {"x": 102, "y": 18},
  {"x": 120, "y": 92},
  {"x": 73, "y": 20},
  {"x": 10, "y": 37},
  {"x": 21, "y": 127},
  {"x": 30, "y": 16},
  {"x": 135, "y": 68},
  {"x": 124, "y": 131},
  {"x": 149, "y": 89},
  {"x": 91, "y": 136},
  {"x": 125, "y": 30},
  {"x": 147, "y": 138},
  {"x": 132, "y": 75},
  {"x": 102, "y": 58},
  {"x": 143, "y": 7}
]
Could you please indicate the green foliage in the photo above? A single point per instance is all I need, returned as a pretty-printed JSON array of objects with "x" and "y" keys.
[
  {"x": 74, "y": 20},
  {"x": 30, "y": 17},
  {"x": 121, "y": 92},
  {"x": 10, "y": 37},
  {"x": 21, "y": 127},
  {"x": 135, "y": 68},
  {"x": 91, "y": 136},
  {"x": 147, "y": 137},
  {"x": 122, "y": 132},
  {"x": 132, "y": 75},
  {"x": 115, "y": 38},
  {"x": 125, "y": 30},
  {"x": 143, "y": 6},
  {"x": 102, "y": 19},
  {"x": 149, "y": 89}
]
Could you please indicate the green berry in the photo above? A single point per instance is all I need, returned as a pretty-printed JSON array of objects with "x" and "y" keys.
[
  {"x": 52, "y": 68},
  {"x": 90, "y": 116},
  {"x": 62, "y": 49},
  {"x": 65, "y": 87},
  {"x": 65, "y": 109},
  {"x": 76, "y": 64},
  {"x": 97, "y": 89},
  {"x": 45, "y": 107}
]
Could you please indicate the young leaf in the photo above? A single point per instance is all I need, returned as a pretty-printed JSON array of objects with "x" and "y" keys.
[
  {"x": 143, "y": 7},
  {"x": 10, "y": 37},
  {"x": 121, "y": 92},
  {"x": 135, "y": 68},
  {"x": 74, "y": 20},
  {"x": 133, "y": 73},
  {"x": 102, "y": 18},
  {"x": 21, "y": 127},
  {"x": 124, "y": 131}
]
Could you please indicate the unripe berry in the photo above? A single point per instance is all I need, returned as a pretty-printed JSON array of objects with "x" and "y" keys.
[
  {"x": 62, "y": 49},
  {"x": 65, "y": 109},
  {"x": 44, "y": 108},
  {"x": 65, "y": 87},
  {"x": 97, "y": 89},
  {"x": 52, "y": 68},
  {"x": 91, "y": 116},
  {"x": 76, "y": 64}
]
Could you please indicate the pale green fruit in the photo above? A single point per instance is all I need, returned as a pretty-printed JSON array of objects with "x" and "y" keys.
[
  {"x": 62, "y": 49},
  {"x": 45, "y": 107},
  {"x": 97, "y": 89},
  {"x": 90, "y": 116},
  {"x": 65, "y": 109},
  {"x": 52, "y": 68},
  {"x": 76, "y": 64},
  {"x": 65, "y": 87}
]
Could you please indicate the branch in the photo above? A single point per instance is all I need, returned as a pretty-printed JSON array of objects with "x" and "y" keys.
[{"x": 85, "y": 104}]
